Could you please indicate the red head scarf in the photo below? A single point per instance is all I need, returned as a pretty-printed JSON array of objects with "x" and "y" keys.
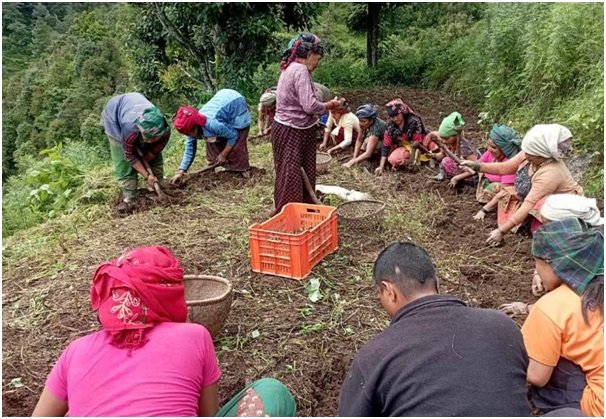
[
  {"x": 136, "y": 291},
  {"x": 187, "y": 118}
]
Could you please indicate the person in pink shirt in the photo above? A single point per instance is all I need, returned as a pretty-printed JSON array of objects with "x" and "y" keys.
[
  {"x": 146, "y": 361},
  {"x": 503, "y": 144}
]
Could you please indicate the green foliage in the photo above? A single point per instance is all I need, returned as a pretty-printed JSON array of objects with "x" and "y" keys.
[
  {"x": 52, "y": 181},
  {"x": 593, "y": 181},
  {"x": 43, "y": 191},
  {"x": 65, "y": 178},
  {"x": 343, "y": 73},
  {"x": 76, "y": 65},
  {"x": 186, "y": 48}
]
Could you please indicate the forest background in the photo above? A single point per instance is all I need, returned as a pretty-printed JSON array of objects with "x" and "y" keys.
[{"x": 516, "y": 63}]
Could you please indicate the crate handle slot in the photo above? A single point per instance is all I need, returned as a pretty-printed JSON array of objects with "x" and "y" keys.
[{"x": 315, "y": 211}]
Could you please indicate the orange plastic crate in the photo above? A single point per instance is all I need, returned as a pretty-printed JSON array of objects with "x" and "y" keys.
[{"x": 292, "y": 242}]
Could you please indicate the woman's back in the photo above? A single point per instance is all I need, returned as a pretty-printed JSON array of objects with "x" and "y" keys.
[
  {"x": 555, "y": 328},
  {"x": 162, "y": 378}
]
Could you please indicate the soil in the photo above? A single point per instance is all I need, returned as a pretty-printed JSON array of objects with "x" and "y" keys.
[
  {"x": 307, "y": 346},
  {"x": 179, "y": 194}
]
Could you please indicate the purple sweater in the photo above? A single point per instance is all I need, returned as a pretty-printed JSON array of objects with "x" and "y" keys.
[{"x": 296, "y": 102}]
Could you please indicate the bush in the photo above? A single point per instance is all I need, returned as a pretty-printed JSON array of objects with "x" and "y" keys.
[
  {"x": 405, "y": 70},
  {"x": 344, "y": 73},
  {"x": 66, "y": 178}
]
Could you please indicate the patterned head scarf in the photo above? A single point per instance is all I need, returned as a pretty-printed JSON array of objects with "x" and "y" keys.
[
  {"x": 135, "y": 292},
  {"x": 544, "y": 140},
  {"x": 507, "y": 139},
  {"x": 187, "y": 118},
  {"x": 152, "y": 123},
  {"x": 397, "y": 106},
  {"x": 574, "y": 250},
  {"x": 367, "y": 111},
  {"x": 451, "y": 125},
  {"x": 300, "y": 46}
]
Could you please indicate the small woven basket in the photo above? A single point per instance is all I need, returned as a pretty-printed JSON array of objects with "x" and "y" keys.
[
  {"x": 208, "y": 301},
  {"x": 361, "y": 214},
  {"x": 322, "y": 162}
]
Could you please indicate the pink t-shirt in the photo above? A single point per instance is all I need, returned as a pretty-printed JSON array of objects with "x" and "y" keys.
[
  {"x": 162, "y": 378},
  {"x": 487, "y": 157}
]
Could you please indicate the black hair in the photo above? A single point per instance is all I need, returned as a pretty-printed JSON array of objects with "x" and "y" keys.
[
  {"x": 593, "y": 298},
  {"x": 408, "y": 266}
]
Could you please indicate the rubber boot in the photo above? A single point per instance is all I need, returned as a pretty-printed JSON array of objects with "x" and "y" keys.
[
  {"x": 129, "y": 195},
  {"x": 440, "y": 176}
]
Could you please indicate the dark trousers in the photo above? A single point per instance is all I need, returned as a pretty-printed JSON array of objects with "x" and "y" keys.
[{"x": 564, "y": 389}]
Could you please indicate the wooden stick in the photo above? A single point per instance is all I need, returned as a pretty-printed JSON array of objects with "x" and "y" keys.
[
  {"x": 254, "y": 137},
  {"x": 204, "y": 169},
  {"x": 453, "y": 156},
  {"x": 310, "y": 190},
  {"x": 161, "y": 195}
]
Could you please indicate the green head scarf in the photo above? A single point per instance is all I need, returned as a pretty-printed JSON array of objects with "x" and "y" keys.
[
  {"x": 507, "y": 139},
  {"x": 574, "y": 249},
  {"x": 152, "y": 123},
  {"x": 451, "y": 125}
]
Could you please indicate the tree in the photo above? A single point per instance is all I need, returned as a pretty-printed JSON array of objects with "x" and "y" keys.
[
  {"x": 372, "y": 34},
  {"x": 366, "y": 17},
  {"x": 208, "y": 44},
  {"x": 73, "y": 65}
]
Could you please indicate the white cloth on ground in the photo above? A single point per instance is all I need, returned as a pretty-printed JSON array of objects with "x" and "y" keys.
[{"x": 346, "y": 194}]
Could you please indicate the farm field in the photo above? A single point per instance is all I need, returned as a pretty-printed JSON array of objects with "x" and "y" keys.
[{"x": 277, "y": 327}]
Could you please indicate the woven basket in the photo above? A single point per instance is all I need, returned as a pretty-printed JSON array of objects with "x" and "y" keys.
[
  {"x": 361, "y": 214},
  {"x": 322, "y": 162},
  {"x": 208, "y": 301}
]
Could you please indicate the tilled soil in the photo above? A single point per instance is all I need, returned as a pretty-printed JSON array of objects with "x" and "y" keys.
[{"x": 308, "y": 346}]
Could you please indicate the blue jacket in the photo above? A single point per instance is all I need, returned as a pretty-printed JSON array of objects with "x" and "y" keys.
[{"x": 226, "y": 113}]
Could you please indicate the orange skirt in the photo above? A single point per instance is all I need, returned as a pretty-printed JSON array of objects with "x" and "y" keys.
[{"x": 509, "y": 203}]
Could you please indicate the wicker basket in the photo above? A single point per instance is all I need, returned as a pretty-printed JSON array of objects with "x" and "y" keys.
[
  {"x": 361, "y": 214},
  {"x": 322, "y": 162},
  {"x": 208, "y": 301}
]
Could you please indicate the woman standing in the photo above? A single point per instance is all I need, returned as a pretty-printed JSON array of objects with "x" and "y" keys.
[
  {"x": 267, "y": 106},
  {"x": 293, "y": 133}
]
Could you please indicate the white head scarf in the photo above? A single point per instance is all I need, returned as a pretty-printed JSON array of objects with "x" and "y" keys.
[
  {"x": 268, "y": 98},
  {"x": 543, "y": 140},
  {"x": 560, "y": 206}
]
